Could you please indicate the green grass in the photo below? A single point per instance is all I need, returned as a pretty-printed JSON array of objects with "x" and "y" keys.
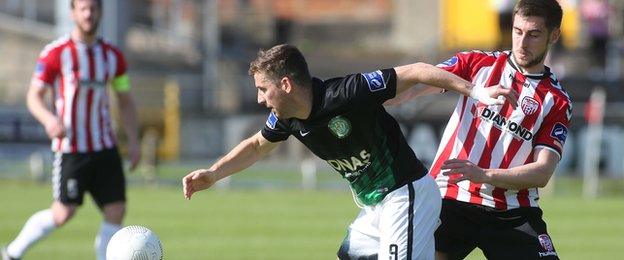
[{"x": 275, "y": 224}]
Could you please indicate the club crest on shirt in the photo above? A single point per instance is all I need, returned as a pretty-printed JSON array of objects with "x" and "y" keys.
[
  {"x": 529, "y": 105},
  {"x": 374, "y": 80},
  {"x": 271, "y": 121},
  {"x": 560, "y": 132},
  {"x": 449, "y": 63},
  {"x": 339, "y": 126}
]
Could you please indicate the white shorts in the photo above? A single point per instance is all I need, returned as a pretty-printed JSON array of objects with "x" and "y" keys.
[{"x": 401, "y": 226}]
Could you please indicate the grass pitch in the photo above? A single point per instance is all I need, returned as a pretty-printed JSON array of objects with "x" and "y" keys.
[{"x": 274, "y": 224}]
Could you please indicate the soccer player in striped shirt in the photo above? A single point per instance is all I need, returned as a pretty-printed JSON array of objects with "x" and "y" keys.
[
  {"x": 77, "y": 70},
  {"x": 492, "y": 159}
]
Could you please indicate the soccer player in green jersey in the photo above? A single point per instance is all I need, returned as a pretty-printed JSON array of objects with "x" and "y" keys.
[{"x": 343, "y": 121}]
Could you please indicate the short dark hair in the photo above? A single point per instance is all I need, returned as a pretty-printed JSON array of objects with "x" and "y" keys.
[
  {"x": 282, "y": 61},
  {"x": 71, "y": 3},
  {"x": 550, "y": 10}
]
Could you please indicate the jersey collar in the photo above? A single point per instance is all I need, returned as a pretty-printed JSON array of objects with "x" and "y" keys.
[{"x": 512, "y": 62}]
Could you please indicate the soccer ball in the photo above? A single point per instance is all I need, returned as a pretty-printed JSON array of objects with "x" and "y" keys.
[{"x": 134, "y": 243}]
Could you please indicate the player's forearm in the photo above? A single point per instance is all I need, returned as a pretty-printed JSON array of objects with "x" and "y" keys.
[
  {"x": 433, "y": 76},
  {"x": 532, "y": 175},
  {"x": 37, "y": 106},
  {"x": 241, "y": 157},
  {"x": 129, "y": 118}
]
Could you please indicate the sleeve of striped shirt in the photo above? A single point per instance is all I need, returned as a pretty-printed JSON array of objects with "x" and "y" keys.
[
  {"x": 121, "y": 82},
  {"x": 47, "y": 68},
  {"x": 459, "y": 65},
  {"x": 554, "y": 130}
]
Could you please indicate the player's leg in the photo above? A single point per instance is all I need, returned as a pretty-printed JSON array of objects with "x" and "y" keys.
[
  {"x": 456, "y": 236},
  {"x": 67, "y": 192},
  {"x": 362, "y": 240},
  {"x": 408, "y": 219},
  {"x": 108, "y": 189},
  {"x": 519, "y": 234}
]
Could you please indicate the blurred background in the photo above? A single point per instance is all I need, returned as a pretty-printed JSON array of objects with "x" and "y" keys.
[{"x": 188, "y": 62}]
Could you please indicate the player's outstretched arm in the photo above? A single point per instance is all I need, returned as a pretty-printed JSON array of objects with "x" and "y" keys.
[
  {"x": 532, "y": 175},
  {"x": 412, "y": 74},
  {"x": 242, "y": 156}
]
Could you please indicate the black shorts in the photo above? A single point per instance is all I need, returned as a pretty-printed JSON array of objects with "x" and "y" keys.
[
  {"x": 99, "y": 173},
  {"x": 511, "y": 234}
]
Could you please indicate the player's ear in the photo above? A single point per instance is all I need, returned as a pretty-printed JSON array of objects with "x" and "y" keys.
[
  {"x": 554, "y": 35},
  {"x": 286, "y": 84}
]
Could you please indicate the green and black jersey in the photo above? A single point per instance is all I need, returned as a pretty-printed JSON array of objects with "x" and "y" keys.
[{"x": 350, "y": 129}]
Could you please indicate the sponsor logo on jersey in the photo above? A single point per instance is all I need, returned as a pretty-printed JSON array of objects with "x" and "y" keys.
[
  {"x": 303, "y": 134},
  {"x": 339, "y": 126},
  {"x": 449, "y": 63},
  {"x": 39, "y": 68},
  {"x": 529, "y": 105},
  {"x": 352, "y": 167},
  {"x": 546, "y": 243},
  {"x": 560, "y": 132},
  {"x": 86, "y": 83},
  {"x": 506, "y": 125},
  {"x": 375, "y": 80},
  {"x": 271, "y": 121}
]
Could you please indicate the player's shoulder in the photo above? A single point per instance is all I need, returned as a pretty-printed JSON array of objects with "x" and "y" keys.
[
  {"x": 479, "y": 54},
  {"x": 55, "y": 47},
  {"x": 110, "y": 46},
  {"x": 557, "y": 89},
  {"x": 481, "y": 58}
]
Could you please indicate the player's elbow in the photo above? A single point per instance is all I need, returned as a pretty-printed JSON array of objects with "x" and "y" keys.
[{"x": 542, "y": 181}]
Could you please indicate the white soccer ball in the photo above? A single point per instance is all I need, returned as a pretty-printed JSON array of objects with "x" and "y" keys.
[{"x": 134, "y": 243}]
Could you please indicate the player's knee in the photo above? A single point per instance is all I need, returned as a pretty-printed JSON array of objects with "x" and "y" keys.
[
  {"x": 62, "y": 213},
  {"x": 115, "y": 212}
]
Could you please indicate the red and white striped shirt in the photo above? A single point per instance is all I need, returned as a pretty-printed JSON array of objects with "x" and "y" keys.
[
  {"x": 79, "y": 75},
  {"x": 500, "y": 136}
]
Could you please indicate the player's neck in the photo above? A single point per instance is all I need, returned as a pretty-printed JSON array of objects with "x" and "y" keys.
[
  {"x": 305, "y": 103},
  {"x": 83, "y": 37}
]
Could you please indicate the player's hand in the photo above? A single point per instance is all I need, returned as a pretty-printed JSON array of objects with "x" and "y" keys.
[
  {"x": 466, "y": 170},
  {"x": 495, "y": 95},
  {"x": 196, "y": 181},
  {"x": 54, "y": 128},
  {"x": 134, "y": 152}
]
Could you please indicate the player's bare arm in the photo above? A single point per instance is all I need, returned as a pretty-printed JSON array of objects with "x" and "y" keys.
[
  {"x": 37, "y": 106},
  {"x": 532, "y": 175},
  {"x": 435, "y": 79},
  {"x": 128, "y": 110},
  {"x": 242, "y": 156}
]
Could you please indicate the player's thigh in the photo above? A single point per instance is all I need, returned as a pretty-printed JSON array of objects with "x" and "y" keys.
[
  {"x": 108, "y": 184},
  {"x": 362, "y": 240},
  {"x": 70, "y": 177},
  {"x": 529, "y": 240},
  {"x": 456, "y": 236},
  {"x": 408, "y": 220}
]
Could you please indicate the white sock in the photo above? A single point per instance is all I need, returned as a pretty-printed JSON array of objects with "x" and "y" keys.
[
  {"x": 107, "y": 230},
  {"x": 38, "y": 226}
]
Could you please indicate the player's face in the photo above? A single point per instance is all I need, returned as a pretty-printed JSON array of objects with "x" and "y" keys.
[
  {"x": 531, "y": 41},
  {"x": 86, "y": 14},
  {"x": 271, "y": 95}
]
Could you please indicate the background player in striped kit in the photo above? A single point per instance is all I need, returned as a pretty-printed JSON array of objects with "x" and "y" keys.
[
  {"x": 492, "y": 159},
  {"x": 77, "y": 68}
]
